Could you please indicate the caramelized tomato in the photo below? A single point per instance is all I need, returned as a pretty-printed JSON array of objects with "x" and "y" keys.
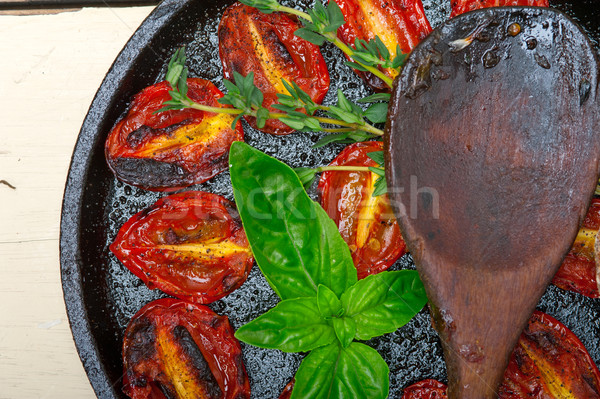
[
  {"x": 168, "y": 150},
  {"x": 396, "y": 22},
  {"x": 578, "y": 271},
  {"x": 175, "y": 349},
  {"x": 462, "y": 6},
  {"x": 366, "y": 223},
  {"x": 251, "y": 41},
  {"x": 190, "y": 245},
  {"x": 549, "y": 361}
]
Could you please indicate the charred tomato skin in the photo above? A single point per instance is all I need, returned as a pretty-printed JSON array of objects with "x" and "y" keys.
[
  {"x": 251, "y": 41},
  {"x": 578, "y": 270},
  {"x": 549, "y": 361},
  {"x": 169, "y": 150},
  {"x": 461, "y": 6},
  {"x": 367, "y": 224},
  {"x": 190, "y": 245},
  {"x": 172, "y": 346},
  {"x": 426, "y": 389},
  {"x": 401, "y": 22}
]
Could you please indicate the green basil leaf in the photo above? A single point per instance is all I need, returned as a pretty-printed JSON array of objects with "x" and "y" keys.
[
  {"x": 310, "y": 36},
  {"x": 294, "y": 325},
  {"x": 296, "y": 245},
  {"x": 329, "y": 304},
  {"x": 377, "y": 113},
  {"x": 345, "y": 330},
  {"x": 332, "y": 372},
  {"x": 382, "y": 303}
]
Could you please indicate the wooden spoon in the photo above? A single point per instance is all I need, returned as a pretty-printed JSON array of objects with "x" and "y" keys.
[{"x": 493, "y": 143}]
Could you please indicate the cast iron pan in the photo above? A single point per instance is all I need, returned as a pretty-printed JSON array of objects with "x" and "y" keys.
[{"x": 101, "y": 295}]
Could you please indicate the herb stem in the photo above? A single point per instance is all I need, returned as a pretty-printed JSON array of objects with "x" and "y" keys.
[
  {"x": 349, "y": 52},
  {"x": 343, "y": 168},
  {"x": 364, "y": 127},
  {"x": 208, "y": 108},
  {"x": 295, "y": 12}
]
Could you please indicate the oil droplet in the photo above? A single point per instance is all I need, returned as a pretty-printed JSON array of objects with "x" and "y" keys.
[
  {"x": 542, "y": 61},
  {"x": 490, "y": 59},
  {"x": 514, "y": 29},
  {"x": 531, "y": 43},
  {"x": 584, "y": 91}
]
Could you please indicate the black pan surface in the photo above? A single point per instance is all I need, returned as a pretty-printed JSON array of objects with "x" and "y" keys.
[{"x": 101, "y": 295}]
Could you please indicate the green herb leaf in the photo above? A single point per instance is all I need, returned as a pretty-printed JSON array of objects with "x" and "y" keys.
[
  {"x": 310, "y": 36},
  {"x": 331, "y": 138},
  {"x": 266, "y": 6},
  {"x": 306, "y": 175},
  {"x": 377, "y": 113},
  {"x": 380, "y": 187},
  {"x": 296, "y": 245},
  {"x": 378, "y": 171},
  {"x": 335, "y": 16},
  {"x": 377, "y": 157},
  {"x": 345, "y": 330},
  {"x": 356, "y": 66},
  {"x": 382, "y": 303},
  {"x": 332, "y": 372},
  {"x": 329, "y": 304},
  {"x": 376, "y": 97},
  {"x": 294, "y": 325},
  {"x": 235, "y": 121},
  {"x": 176, "y": 67},
  {"x": 262, "y": 114}
]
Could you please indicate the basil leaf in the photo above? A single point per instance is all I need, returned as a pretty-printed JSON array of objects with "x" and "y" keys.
[
  {"x": 294, "y": 325},
  {"x": 296, "y": 245},
  {"x": 345, "y": 330},
  {"x": 384, "y": 302},
  {"x": 377, "y": 113},
  {"x": 334, "y": 372},
  {"x": 328, "y": 302}
]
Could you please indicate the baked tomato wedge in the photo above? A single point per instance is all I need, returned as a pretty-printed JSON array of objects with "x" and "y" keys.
[
  {"x": 169, "y": 150},
  {"x": 190, "y": 245},
  {"x": 397, "y": 23},
  {"x": 549, "y": 361},
  {"x": 426, "y": 389},
  {"x": 461, "y": 6},
  {"x": 578, "y": 270},
  {"x": 251, "y": 41},
  {"x": 175, "y": 349},
  {"x": 366, "y": 223}
]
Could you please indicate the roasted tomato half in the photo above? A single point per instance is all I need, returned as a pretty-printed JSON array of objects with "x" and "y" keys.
[
  {"x": 175, "y": 349},
  {"x": 190, "y": 245},
  {"x": 549, "y": 361},
  {"x": 426, "y": 389},
  {"x": 396, "y": 22},
  {"x": 366, "y": 223},
  {"x": 578, "y": 271},
  {"x": 251, "y": 41},
  {"x": 287, "y": 391},
  {"x": 462, "y": 6},
  {"x": 173, "y": 149}
]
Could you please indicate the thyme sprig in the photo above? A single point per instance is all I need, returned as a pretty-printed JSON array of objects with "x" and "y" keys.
[
  {"x": 321, "y": 23},
  {"x": 308, "y": 175},
  {"x": 246, "y": 99}
]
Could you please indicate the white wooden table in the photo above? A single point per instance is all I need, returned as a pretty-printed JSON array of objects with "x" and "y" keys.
[{"x": 50, "y": 69}]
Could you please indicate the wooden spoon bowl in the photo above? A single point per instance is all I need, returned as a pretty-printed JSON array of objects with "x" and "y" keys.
[{"x": 492, "y": 156}]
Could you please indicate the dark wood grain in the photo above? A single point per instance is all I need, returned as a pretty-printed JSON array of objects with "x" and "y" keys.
[{"x": 492, "y": 159}]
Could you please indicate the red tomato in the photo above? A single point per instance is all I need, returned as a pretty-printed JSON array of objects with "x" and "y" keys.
[
  {"x": 366, "y": 223},
  {"x": 173, "y": 149},
  {"x": 426, "y": 389},
  {"x": 251, "y": 41},
  {"x": 462, "y": 6},
  {"x": 550, "y": 362},
  {"x": 287, "y": 391},
  {"x": 190, "y": 245},
  {"x": 396, "y": 22},
  {"x": 175, "y": 349},
  {"x": 578, "y": 271}
]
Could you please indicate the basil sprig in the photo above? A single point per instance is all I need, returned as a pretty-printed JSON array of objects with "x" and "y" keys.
[{"x": 324, "y": 307}]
